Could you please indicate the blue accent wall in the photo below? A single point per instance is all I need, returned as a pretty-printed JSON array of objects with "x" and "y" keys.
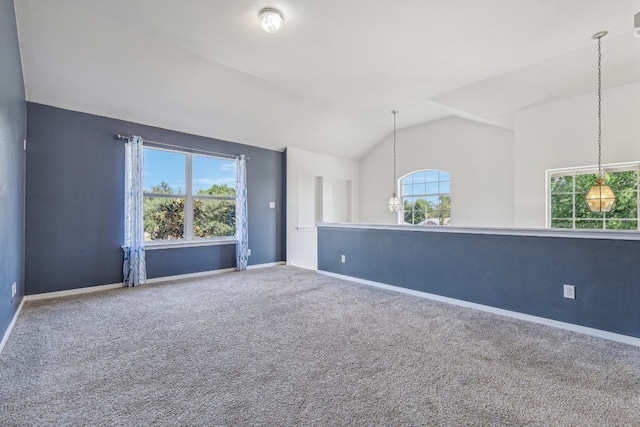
[
  {"x": 174, "y": 261},
  {"x": 13, "y": 120},
  {"x": 75, "y": 202},
  {"x": 519, "y": 273}
]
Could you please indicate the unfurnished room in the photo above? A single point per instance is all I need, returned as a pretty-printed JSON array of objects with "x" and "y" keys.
[{"x": 280, "y": 213}]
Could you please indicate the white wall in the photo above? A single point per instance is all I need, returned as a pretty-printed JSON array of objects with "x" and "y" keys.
[
  {"x": 320, "y": 188},
  {"x": 564, "y": 134},
  {"x": 479, "y": 158}
]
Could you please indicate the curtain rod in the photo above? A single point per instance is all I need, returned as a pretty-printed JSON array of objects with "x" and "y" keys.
[{"x": 231, "y": 156}]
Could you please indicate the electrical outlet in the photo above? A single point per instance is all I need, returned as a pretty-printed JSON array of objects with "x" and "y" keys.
[
  {"x": 25, "y": 145},
  {"x": 343, "y": 258},
  {"x": 272, "y": 205},
  {"x": 248, "y": 252},
  {"x": 14, "y": 290},
  {"x": 570, "y": 291}
]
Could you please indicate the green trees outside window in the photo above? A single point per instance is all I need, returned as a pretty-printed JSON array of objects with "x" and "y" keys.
[
  {"x": 164, "y": 217},
  {"x": 188, "y": 196},
  {"x": 569, "y": 209}
]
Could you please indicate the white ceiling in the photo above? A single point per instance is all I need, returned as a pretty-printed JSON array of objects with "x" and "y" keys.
[{"x": 328, "y": 81}]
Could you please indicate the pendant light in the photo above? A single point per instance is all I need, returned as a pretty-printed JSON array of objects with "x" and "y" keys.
[
  {"x": 394, "y": 202},
  {"x": 600, "y": 197}
]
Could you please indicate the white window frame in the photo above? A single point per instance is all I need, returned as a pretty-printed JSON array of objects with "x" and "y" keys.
[
  {"x": 400, "y": 192},
  {"x": 189, "y": 240},
  {"x": 593, "y": 169}
]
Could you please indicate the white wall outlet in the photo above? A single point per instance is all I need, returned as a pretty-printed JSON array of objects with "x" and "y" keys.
[
  {"x": 570, "y": 291},
  {"x": 272, "y": 205},
  {"x": 343, "y": 258},
  {"x": 25, "y": 145},
  {"x": 248, "y": 252},
  {"x": 14, "y": 290}
]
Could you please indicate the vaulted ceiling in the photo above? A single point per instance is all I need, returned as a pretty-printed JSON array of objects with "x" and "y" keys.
[{"x": 328, "y": 80}]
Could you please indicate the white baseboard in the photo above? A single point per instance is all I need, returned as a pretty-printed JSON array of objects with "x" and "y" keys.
[
  {"x": 269, "y": 264},
  {"x": 58, "y": 294},
  {"x": 513, "y": 314},
  {"x": 89, "y": 289},
  {"x": 187, "y": 276},
  {"x": 5, "y": 337}
]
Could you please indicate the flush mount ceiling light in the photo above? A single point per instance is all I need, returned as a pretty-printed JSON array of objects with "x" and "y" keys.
[
  {"x": 394, "y": 201},
  {"x": 600, "y": 197},
  {"x": 270, "y": 20}
]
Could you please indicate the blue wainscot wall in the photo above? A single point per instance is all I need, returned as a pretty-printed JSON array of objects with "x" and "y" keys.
[{"x": 521, "y": 271}]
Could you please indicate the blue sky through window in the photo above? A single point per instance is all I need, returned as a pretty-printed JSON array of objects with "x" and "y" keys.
[
  {"x": 167, "y": 166},
  {"x": 208, "y": 171},
  {"x": 426, "y": 182}
]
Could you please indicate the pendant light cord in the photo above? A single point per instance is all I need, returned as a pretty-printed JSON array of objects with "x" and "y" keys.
[
  {"x": 394, "y": 151},
  {"x": 599, "y": 109}
]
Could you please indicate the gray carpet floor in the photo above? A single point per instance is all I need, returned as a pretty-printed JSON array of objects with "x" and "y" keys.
[{"x": 284, "y": 346}]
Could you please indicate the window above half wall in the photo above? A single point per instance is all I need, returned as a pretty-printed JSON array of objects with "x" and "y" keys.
[
  {"x": 566, "y": 190},
  {"x": 426, "y": 198}
]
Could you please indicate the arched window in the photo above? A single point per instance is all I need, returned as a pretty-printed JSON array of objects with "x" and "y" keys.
[{"x": 426, "y": 197}]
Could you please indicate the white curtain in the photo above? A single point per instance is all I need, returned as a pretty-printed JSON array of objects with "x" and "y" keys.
[
  {"x": 242, "y": 233},
  {"x": 134, "y": 268}
]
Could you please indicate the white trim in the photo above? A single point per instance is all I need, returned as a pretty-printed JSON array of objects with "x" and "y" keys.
[
  {"x": 525, "y": 232},
  {"x": 188, "y": 201},
  {"x": 89, "y": 289},
  {"x": 188, "y": 276},
  {"x": 513, "y": 314},
  {"x": 593, "y": 169},
  {"x": 269, "y": 264},
  {"x": 59, "y": 294},
  {"x": 189, "y": 239},
  {"x": 304, "y": 267},
  {"x": 5, "y": 338},
  {"x": 169, "y": 244},
  {"x": 99, "y": 288},
  {"x": 401, "y": 195}
]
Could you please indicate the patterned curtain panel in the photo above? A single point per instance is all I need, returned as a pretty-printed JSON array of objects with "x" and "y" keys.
[
  {"x": 242, "y": 231},
  {"x": 135, "y": 268}
]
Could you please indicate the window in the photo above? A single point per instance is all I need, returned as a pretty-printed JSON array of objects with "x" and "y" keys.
[
  {"x": 426, "y": 198},
  {"x": 567, "y": 189},
  {"x": 188, "y": 197}
]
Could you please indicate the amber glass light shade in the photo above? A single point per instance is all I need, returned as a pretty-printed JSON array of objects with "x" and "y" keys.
[{"x": 600, "y": 197}]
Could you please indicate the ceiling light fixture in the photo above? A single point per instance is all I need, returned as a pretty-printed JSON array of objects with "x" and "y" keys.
[
  {"x": 270, "y": 20},
  {"x": 394, "y": 201},
  {"x": 600, "y": 197}
]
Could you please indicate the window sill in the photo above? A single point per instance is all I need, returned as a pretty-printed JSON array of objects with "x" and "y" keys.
[{"x": 190, "y": 244}]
